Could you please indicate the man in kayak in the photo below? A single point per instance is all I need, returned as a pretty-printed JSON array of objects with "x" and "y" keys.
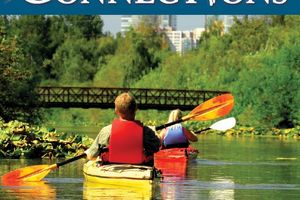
[
  {"x": 127, "y": 140},
  {"x": 176, "y": 135}
]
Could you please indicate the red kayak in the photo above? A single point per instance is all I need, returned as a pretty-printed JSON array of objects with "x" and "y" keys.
[
  {"x": 176, "y": 154},
  {"x": 173, "y": 161}
]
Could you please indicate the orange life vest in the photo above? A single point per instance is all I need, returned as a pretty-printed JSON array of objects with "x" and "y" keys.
[{"x": 126, "y": 142}]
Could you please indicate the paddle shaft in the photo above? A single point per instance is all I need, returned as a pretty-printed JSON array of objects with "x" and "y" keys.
[
  {"x": 185, "y": 118},
  {"x": 70, "y": 160},
  {"x": 202, "y": 130},
  {"x": 168, "y": 124}
]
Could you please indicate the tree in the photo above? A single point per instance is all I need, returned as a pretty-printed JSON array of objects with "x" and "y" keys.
[
  {"x": 143, "y": 47},
  {"x": 213, "y": 28},
  {"x": 271, "y": 90},
  {"x": 84, "y": 26},
  {"x": 17, "y": 94},
  {"x": 4, "y": 24},
  {"x": 32, "y": 33},
  {"x": 248, "y": 35},
  {"x": 77, "y": 62}
]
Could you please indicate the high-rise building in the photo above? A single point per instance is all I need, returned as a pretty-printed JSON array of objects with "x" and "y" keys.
[
  {"x": 162, "y": 21},
  {"x": 168, "y": 21},
  {"x": 227, "y": 20},
  {"x": 182, "y": 41},
  {"x": 179, "y": 41},
  {"x": 126, "y": 22}
]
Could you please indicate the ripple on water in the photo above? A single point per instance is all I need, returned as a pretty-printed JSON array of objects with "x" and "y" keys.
[
  {"x": 242, "y": 163},
  {"x": 64, "y": 180}
]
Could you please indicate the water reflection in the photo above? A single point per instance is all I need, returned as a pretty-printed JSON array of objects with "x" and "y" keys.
[
  {"x": 93, "y": 191},
  {"x": 170, "y": 188},
  {"x": 174, "y": 174},
  {"x": 224, "y": 189},
  {"x": 29, "y": 190}
]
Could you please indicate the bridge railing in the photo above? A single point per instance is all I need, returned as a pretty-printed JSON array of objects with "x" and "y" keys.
[{"x": 95, "y": 97}]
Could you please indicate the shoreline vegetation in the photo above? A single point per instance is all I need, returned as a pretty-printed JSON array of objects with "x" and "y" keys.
[
  {"x": 263, "y": 132},
  {"x": 22, "y": 140}
]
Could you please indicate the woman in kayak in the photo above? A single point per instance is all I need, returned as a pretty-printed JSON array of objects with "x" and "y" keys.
[
  {"x": 176, "y": 135},
  {"x": 126, "y": 140}
]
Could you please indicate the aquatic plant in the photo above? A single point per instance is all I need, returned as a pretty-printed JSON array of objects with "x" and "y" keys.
[{"x": 20, "y": 140}]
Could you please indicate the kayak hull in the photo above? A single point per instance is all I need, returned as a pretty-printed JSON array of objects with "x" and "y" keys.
[
  {"x": 176, "y": 154},
  {"x": 173, "y": 162},
  {"x": 122, "y": 175}
]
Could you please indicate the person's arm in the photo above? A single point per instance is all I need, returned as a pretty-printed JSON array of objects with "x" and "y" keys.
[
  {"x": 151, "y": 141},
  {"x": 93, "y": 150},
  {"x": 162, "y": 135},
  {"x": 190, "y": 135},
  {"x": 99, "y": 143}
]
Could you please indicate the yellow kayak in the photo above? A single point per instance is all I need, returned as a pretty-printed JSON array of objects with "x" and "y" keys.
[{"x": 121, "y": 175}]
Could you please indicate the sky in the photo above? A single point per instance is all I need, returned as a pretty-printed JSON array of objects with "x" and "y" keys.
[{"x": 112, "y": 23}]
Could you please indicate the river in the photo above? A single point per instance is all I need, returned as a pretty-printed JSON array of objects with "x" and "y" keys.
[{"x": 226, "y": 168}]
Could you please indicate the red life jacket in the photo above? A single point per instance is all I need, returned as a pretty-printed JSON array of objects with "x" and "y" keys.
[{"x": 126, "y": 142}]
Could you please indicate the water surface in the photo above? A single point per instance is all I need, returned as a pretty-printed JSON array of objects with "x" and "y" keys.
[{"x": 226, "y": 168}]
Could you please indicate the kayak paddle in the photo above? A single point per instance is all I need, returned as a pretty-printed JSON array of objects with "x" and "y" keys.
[
  {"x": 214, "y": 108},
  {"x": 221, "y": 125},
  {"x": 35, "y": 172}
]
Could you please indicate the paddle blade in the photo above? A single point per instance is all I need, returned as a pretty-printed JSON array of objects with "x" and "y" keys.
[
  {"x": 214, "y": 108},
  {"x": 31, "y": 173},
  {"x": 224, "y": 124}
]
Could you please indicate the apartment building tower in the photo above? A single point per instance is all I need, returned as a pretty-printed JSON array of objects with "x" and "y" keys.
[{"x": 162, "y": 21}]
